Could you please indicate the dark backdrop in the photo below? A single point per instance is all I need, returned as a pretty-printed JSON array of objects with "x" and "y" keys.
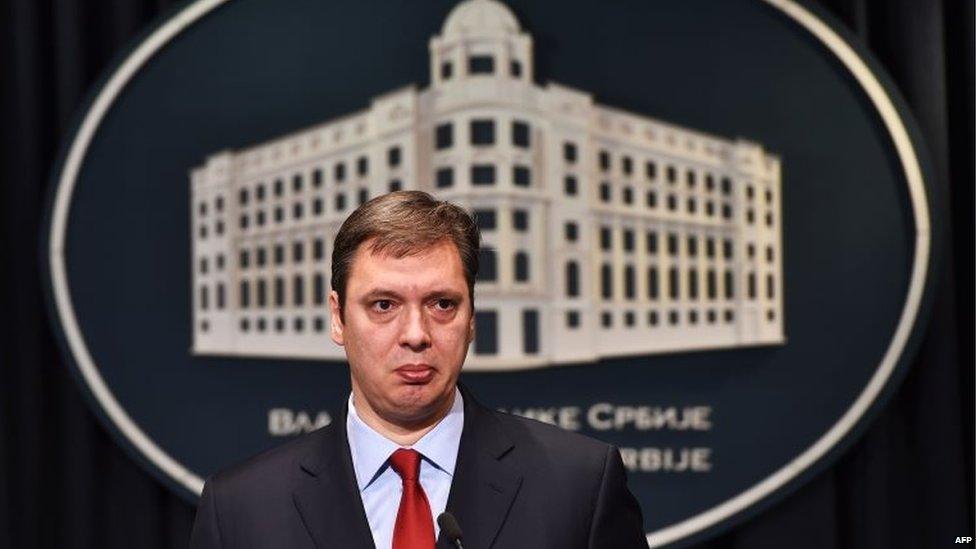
[{"x": 63, "y": 483}]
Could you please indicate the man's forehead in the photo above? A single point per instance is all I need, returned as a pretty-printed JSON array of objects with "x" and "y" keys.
[{"x": 419, "y": 270}]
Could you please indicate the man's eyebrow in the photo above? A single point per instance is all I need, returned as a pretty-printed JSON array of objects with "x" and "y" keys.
[{"x": 380, "y": 293}]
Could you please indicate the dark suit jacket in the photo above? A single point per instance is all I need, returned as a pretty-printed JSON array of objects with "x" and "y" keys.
[{"x": 517, "y": 483}]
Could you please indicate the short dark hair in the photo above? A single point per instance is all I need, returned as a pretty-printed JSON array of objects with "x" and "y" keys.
[{"x": 404, "y": 223}]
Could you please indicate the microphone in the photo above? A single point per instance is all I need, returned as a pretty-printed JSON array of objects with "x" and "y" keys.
[{"x": 449, "y": 527}]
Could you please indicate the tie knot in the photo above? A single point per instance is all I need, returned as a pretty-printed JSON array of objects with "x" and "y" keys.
[{"x": 406, "y": 463}]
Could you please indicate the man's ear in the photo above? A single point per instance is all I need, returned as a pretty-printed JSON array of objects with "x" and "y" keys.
[{"x": 335, "y": 324}]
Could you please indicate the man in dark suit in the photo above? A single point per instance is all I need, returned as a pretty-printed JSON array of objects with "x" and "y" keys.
[{"x": 411, "y": 443}]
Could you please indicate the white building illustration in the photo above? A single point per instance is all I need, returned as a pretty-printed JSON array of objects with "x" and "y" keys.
[{"x": 607, "y": 233}]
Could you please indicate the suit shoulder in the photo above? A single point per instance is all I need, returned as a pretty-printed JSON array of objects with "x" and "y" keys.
[{"x": 269, "y": 466}]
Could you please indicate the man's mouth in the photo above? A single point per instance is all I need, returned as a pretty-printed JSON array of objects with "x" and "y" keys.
[{"x": 415, "y": 373}]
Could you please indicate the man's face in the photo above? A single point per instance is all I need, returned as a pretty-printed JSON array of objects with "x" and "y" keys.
[{"x": 406, "y": 328}]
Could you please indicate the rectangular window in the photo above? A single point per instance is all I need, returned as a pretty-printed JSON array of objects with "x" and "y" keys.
[
  {"x": 569, "y": 152},
  {"x": 481, "y": 64},
  {"x": 362, "y": 166},
  {"x": 520, "y": 134},
  {"x": 483, "y": 174},
  {"x": 606, "y": 238},
  {"x": 279, "y": 291},
  {"x": 298, "y": 252},
  {"x": 520, "y": 220},
  {"x": 628, "y": 240},
  {"x": 572, "y": 319},
  {"x": 298, "y": 291},
  {"x": 605, "y": 192},
  {"x": 651, "y": 170},
  {"x": 487, "y": 266},
  {"x": 674, "y": 283},
  {"x": 651, "y": 242},
  {"x": 447, "y": 70},
  {"x": 262, "y": 293},
  {"x": 630, "y": 282},
  {"x": 316, "y": 179},
  {"x": 485, "y": 219},
  {"x": 444, "y": 136},
  {"x": 393, "y": 157},
  {"x": 653, "y": 283},
  {"x": 570, "y": 185},
  {"x": 530, "y": 331},
  {"x": 604, "y": 159},
  {"x": 296, "y": 183},
  {"x": 318, "y": 249},
  {"x": 516, "y": 69},
  {"x": 318, "y": 289},
  {"x": 572, "y": 231},
  {"x": 521, "y": 176},
  {"x": 482, "y": 132},
  {"x": 339, "y": 172},
  {"x": 486, "y": 332},
  {"x": 606, "y": 281},
  {"x": 444, "y": 177},
  {"x": 245, "y": 297}
]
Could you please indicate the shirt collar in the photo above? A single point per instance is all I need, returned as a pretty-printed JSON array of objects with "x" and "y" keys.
[{"x": 371, "y": 450}]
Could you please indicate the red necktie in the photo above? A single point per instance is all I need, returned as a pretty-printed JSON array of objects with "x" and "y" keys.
[{"x": 414, "y": 527}]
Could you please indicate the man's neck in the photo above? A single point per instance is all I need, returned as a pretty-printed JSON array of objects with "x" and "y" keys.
[{"x": 401, "y": 433}]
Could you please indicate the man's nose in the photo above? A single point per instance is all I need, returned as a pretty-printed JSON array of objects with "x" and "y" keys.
[{"x": 415, "y": 332}]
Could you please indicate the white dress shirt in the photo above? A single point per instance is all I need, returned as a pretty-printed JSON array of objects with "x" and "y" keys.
[{"x": 381, "y": 487}]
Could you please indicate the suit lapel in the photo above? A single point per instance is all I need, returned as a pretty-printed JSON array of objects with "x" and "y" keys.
[
  {"x": 485, "y": 484},
  {"x": 327, "y": 497}
]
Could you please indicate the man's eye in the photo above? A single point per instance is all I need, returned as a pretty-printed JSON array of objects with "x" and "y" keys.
[
  {"x": 445, "y": 304},
  {"x": 383, "y": 305}
]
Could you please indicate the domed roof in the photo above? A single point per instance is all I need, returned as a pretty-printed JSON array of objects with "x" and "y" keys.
[{"x": 481, "y": 17}]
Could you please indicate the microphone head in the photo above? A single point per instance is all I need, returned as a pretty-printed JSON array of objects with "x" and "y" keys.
[{"x": 449, "y": 526}]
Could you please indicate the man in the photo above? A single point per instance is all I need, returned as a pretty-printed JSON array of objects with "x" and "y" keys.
[{"x": 412, "y": 443}]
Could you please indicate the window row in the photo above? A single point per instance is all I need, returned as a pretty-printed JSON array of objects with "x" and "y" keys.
[
  {"x": 260, "y": 191},
  {"x": 298, "y": 248},
  {"x": 279, "y": 324},
  {"x": 274, "y": 291},
  {"x": 297, "y": 211},
  {"x": 487, "y": 333},
  {"x": 486, "y": 219},
  {"x": 481, "y": 64},
  {"x": 481, "y": 133},
  {"x": 671, "y": 172},
  {"x": 654, "y": 318},
  {"x": 483, "y": 174},
  {"x": 675, "y": 285},
  {"x": 218, "y": 206},
  {"x": 488, "y": 266},
  {"x": 204, "y": 263}
]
